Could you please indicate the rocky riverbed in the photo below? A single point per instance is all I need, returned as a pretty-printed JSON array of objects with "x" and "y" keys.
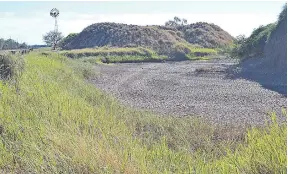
[{"x": 200, "y": 89}]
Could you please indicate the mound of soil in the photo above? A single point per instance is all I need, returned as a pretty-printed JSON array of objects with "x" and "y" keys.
[
  {"x": 206, "y": 35},
  {"x": 159, "y": 38},
  {"x": 123, "y": 35}
]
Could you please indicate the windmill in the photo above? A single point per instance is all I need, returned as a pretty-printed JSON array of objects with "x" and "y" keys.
[{"x": 55, "y": 13}]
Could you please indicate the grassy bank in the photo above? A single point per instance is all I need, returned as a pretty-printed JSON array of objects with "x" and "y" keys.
[
  {"x": 184, "y": 51},
  {"x": 115, "y": 54},
  {"x": 109, "y": 51},
  {"x": 139, "y": 54},
  {"x": 53, "y": 121}
]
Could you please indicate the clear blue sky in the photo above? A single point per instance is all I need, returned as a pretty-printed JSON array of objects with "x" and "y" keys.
[{"x": 28, "y": 21}]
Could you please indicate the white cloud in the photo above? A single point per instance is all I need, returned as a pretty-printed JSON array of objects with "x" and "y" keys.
[
  {"x": 6, "y": 14},
  {"x": 31, "y": 29}
]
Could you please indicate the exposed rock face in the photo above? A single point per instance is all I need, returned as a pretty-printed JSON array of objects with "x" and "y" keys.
[
  {"x": 276, "y": 48},
  {"x": 270, "y": 70},
  {"x": 160, "y": 38}
]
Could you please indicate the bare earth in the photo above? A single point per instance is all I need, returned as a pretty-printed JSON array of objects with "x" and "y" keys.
[{"x": 201, "y": 89}]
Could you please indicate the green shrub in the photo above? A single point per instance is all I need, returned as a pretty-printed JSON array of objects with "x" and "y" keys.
[
  {"x": 181, "y": 51},
  {"x": 254, "y": 45},
  {"x": 10, "y": 66},
  {"x": 65, "y": 41},
  {"x": 283, "y": 15}
]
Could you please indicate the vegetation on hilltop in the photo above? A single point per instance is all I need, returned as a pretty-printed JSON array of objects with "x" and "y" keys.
[
  {"x": 176, "y": 22},
  {"x": 283, "y": 15},
  {"x": 254, "y": 45}
]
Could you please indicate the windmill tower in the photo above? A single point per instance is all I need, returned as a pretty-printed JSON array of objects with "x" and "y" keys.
[{"x": 55, "y": 13}]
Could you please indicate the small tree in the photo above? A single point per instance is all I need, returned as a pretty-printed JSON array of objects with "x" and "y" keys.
[
  {"x": 240, "y": 39},
  {"x": 176, "y": 22},
  {"x": 23, "y": 45},
  {"x": 2, "y": 42},
  {"x": 184, "y": 21},
  {"x": 171, "y": 23},
  {"x": 52, "y": 38},
  {"x": 177, "y": 19},
  {"x": 66, "y": 40}
]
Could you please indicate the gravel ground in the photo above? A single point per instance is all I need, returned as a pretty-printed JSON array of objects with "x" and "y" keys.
[{"x": 201, "y": 89}]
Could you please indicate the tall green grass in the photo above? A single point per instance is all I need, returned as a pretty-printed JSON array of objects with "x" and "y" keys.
[
  {"x": 10, "y": 66},
  {"x": 53, "y": 121},
  {"x": 185, "y": 51},
  {"x": 109, "y": 51},
  {"x": 115, "y": 55},
  {"x": 180, "y": 51}
]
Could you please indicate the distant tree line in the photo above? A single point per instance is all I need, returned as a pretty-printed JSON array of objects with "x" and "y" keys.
[
  {"x": 38, "y": 46},
  {"x": 11, "y": 44}
]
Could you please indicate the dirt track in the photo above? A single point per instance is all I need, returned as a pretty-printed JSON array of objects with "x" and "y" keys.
[{"x": 202, "y": 89}]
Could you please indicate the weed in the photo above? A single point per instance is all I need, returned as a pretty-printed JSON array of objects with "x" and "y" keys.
[{"x": 10, "y": 66}]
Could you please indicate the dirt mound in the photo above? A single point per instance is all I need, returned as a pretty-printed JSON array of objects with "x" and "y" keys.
[
  {"x": 202, "y": 33},
  {"x": 123, "y": 35},
  {"x": 159, "y": 38},
  {"x": 206, "y": 35}
]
